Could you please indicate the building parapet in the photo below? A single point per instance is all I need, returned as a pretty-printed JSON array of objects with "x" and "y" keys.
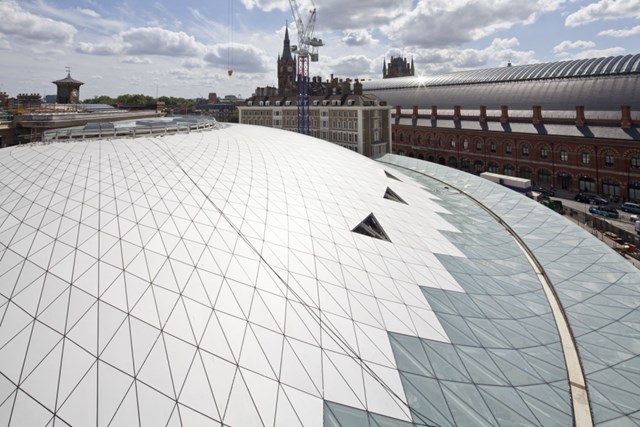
[
  {"x": 142, "y": 128},
  {"x": 624, "y": 119}
]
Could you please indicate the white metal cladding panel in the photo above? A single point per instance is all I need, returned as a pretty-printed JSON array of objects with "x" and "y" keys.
[{"x": 208, "y": 278}]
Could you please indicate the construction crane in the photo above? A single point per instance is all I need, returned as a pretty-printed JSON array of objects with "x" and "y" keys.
[{"x": 306, "y": 51}]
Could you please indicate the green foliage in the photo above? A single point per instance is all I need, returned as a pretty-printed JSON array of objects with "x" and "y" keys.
[
  {"x": 170, "y": 100},
  {"x": 103, "y": 99},
  {"x": 139, "y": 99},
  {"x": 135, "y": 99}
]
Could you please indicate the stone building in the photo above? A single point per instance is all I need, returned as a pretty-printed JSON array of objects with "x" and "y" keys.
[
  {"x": 342, "y": 115},
  {"x": 572, "y": 125},
  {"x": 397, "y": 67}
]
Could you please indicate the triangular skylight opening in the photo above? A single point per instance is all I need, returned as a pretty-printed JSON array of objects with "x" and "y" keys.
[
  {"x": 391, "y": 176},
  {"x": 391, "y": 195},
  {"x": 372, "y": 228}
]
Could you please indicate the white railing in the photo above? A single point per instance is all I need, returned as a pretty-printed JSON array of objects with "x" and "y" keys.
[{"x": 158, "y": 129}]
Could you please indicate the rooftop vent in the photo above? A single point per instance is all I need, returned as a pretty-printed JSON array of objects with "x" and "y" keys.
[
  {"x": 372, "y": 228},
  {"x": 391, "y": 195},
  {"x": 391, "y": 176}
]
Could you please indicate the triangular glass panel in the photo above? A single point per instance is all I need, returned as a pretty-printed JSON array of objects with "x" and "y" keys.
[
  {"x": 372, "y": 228},
  {"x": 391, "y": 195},
  {"x": 391, "y": 176}
]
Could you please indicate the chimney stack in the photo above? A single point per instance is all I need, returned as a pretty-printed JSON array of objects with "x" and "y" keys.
[
  {"x": 580, "y": 119},
  {"x": 434, "y": 112},
  {"x": 456, "y": 113},
  {"x": 483, "y": 113},
  {"x": 504, "y": 114},
  {"x": 537, "y": 114},
  {"x": 626, "y": 117}
]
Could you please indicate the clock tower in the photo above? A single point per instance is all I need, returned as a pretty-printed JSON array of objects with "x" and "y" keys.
[
  {"x": 286, "y": 69},
  {"x": 68, "y": 90}
]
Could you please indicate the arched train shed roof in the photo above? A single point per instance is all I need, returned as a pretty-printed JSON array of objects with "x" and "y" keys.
[{"x": 595, "y": 83}]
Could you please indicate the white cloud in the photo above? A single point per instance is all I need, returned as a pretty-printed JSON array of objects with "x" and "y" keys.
[
  {"x": 193, "y": 63},
  {"x": 500, "y": 51},
  {"x": 345, "y": 66},
  {"x": 18, "y": 22},
  {"x": 604, "y": 10},
  {"x": 266, "y": 5},
  {"x": 581, "y": 49},
  {"x": 438, "y": 23},
  {"x": 627, "y": 32},
  {"x": 358, "y": 38},
  {"x": 88, "y": 12},
  {"x": 566, "y": 45},
  {"x": 108, "y": 48},
  {"x": 146, "y": 41},
  {"x": 135, "y": 60},
  {"x": 239, "y": 57},
  {"x": 596, "y": 53},
  {"x": 158, "y": 41}
]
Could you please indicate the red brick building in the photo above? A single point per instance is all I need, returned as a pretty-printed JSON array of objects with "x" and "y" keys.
[{"x": 572, "y": 125}]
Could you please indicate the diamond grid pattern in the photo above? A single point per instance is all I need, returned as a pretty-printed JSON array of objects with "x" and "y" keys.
[
  {"x": 597, "y": 288},
  {"x": 206, "y": 279}
]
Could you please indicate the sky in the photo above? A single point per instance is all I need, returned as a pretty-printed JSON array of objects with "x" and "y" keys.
[{"x": 184, "y": 48}]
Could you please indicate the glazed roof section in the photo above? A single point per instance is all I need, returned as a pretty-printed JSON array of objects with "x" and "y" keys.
[{"x": 597, "y": 288}]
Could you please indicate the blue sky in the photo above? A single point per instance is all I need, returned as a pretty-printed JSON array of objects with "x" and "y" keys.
[{"x": 183, "y": 48}]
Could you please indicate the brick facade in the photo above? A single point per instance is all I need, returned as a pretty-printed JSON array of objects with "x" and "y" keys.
[{"x": 609, "y": 166}]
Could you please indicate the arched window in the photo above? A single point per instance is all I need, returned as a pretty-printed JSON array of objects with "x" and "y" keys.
[
  {"x": 544, "y": 153},
  {"x": 478, "y": 166},
  {"x": 609, "y": 160}
]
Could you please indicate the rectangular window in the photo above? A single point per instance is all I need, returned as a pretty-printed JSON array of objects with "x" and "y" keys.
[
  {"x": 586, "y": 158},
  {"x": 492, "y": 147},
  {"x": 608, "y": 160},
  {"x": 507, "y": 149},
  {"x": 543, "y": 153},
  {"x": 635, "y": 162},
  {"x": 478, "y": 145},
  {"x": 564, "y": 156},
  {"x": 525, "y": 150}
]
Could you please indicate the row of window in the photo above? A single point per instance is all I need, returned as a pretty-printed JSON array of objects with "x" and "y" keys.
[{"x": 585, "y": 156}]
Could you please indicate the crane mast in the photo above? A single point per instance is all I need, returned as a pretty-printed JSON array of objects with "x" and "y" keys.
[{"x": 306, "y": 51}]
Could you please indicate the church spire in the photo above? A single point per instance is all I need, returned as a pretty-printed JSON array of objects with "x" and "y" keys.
[{"x": 286, "y": 50}]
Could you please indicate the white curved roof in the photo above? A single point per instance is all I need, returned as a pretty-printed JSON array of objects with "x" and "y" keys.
[{"x": 251, "y": 276}]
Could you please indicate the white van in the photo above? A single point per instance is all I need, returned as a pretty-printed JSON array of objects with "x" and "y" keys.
[{"x": 630, "y": 207}]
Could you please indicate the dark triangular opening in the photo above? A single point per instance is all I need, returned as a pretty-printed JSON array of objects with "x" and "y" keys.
[
  {"x": 391, "y": 176},
  {"x": 372, "y": 228},
  {"x": 391, "y": 195}
]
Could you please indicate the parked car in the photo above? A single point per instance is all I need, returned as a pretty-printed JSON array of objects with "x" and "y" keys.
[
  {"x": 634, "y": 218},
  {"x": 604, "y": 211},
  {"x": 549, "y": 192},
  {"x": 630, "y": 207},
  {"x": 591, "y": 198}
]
